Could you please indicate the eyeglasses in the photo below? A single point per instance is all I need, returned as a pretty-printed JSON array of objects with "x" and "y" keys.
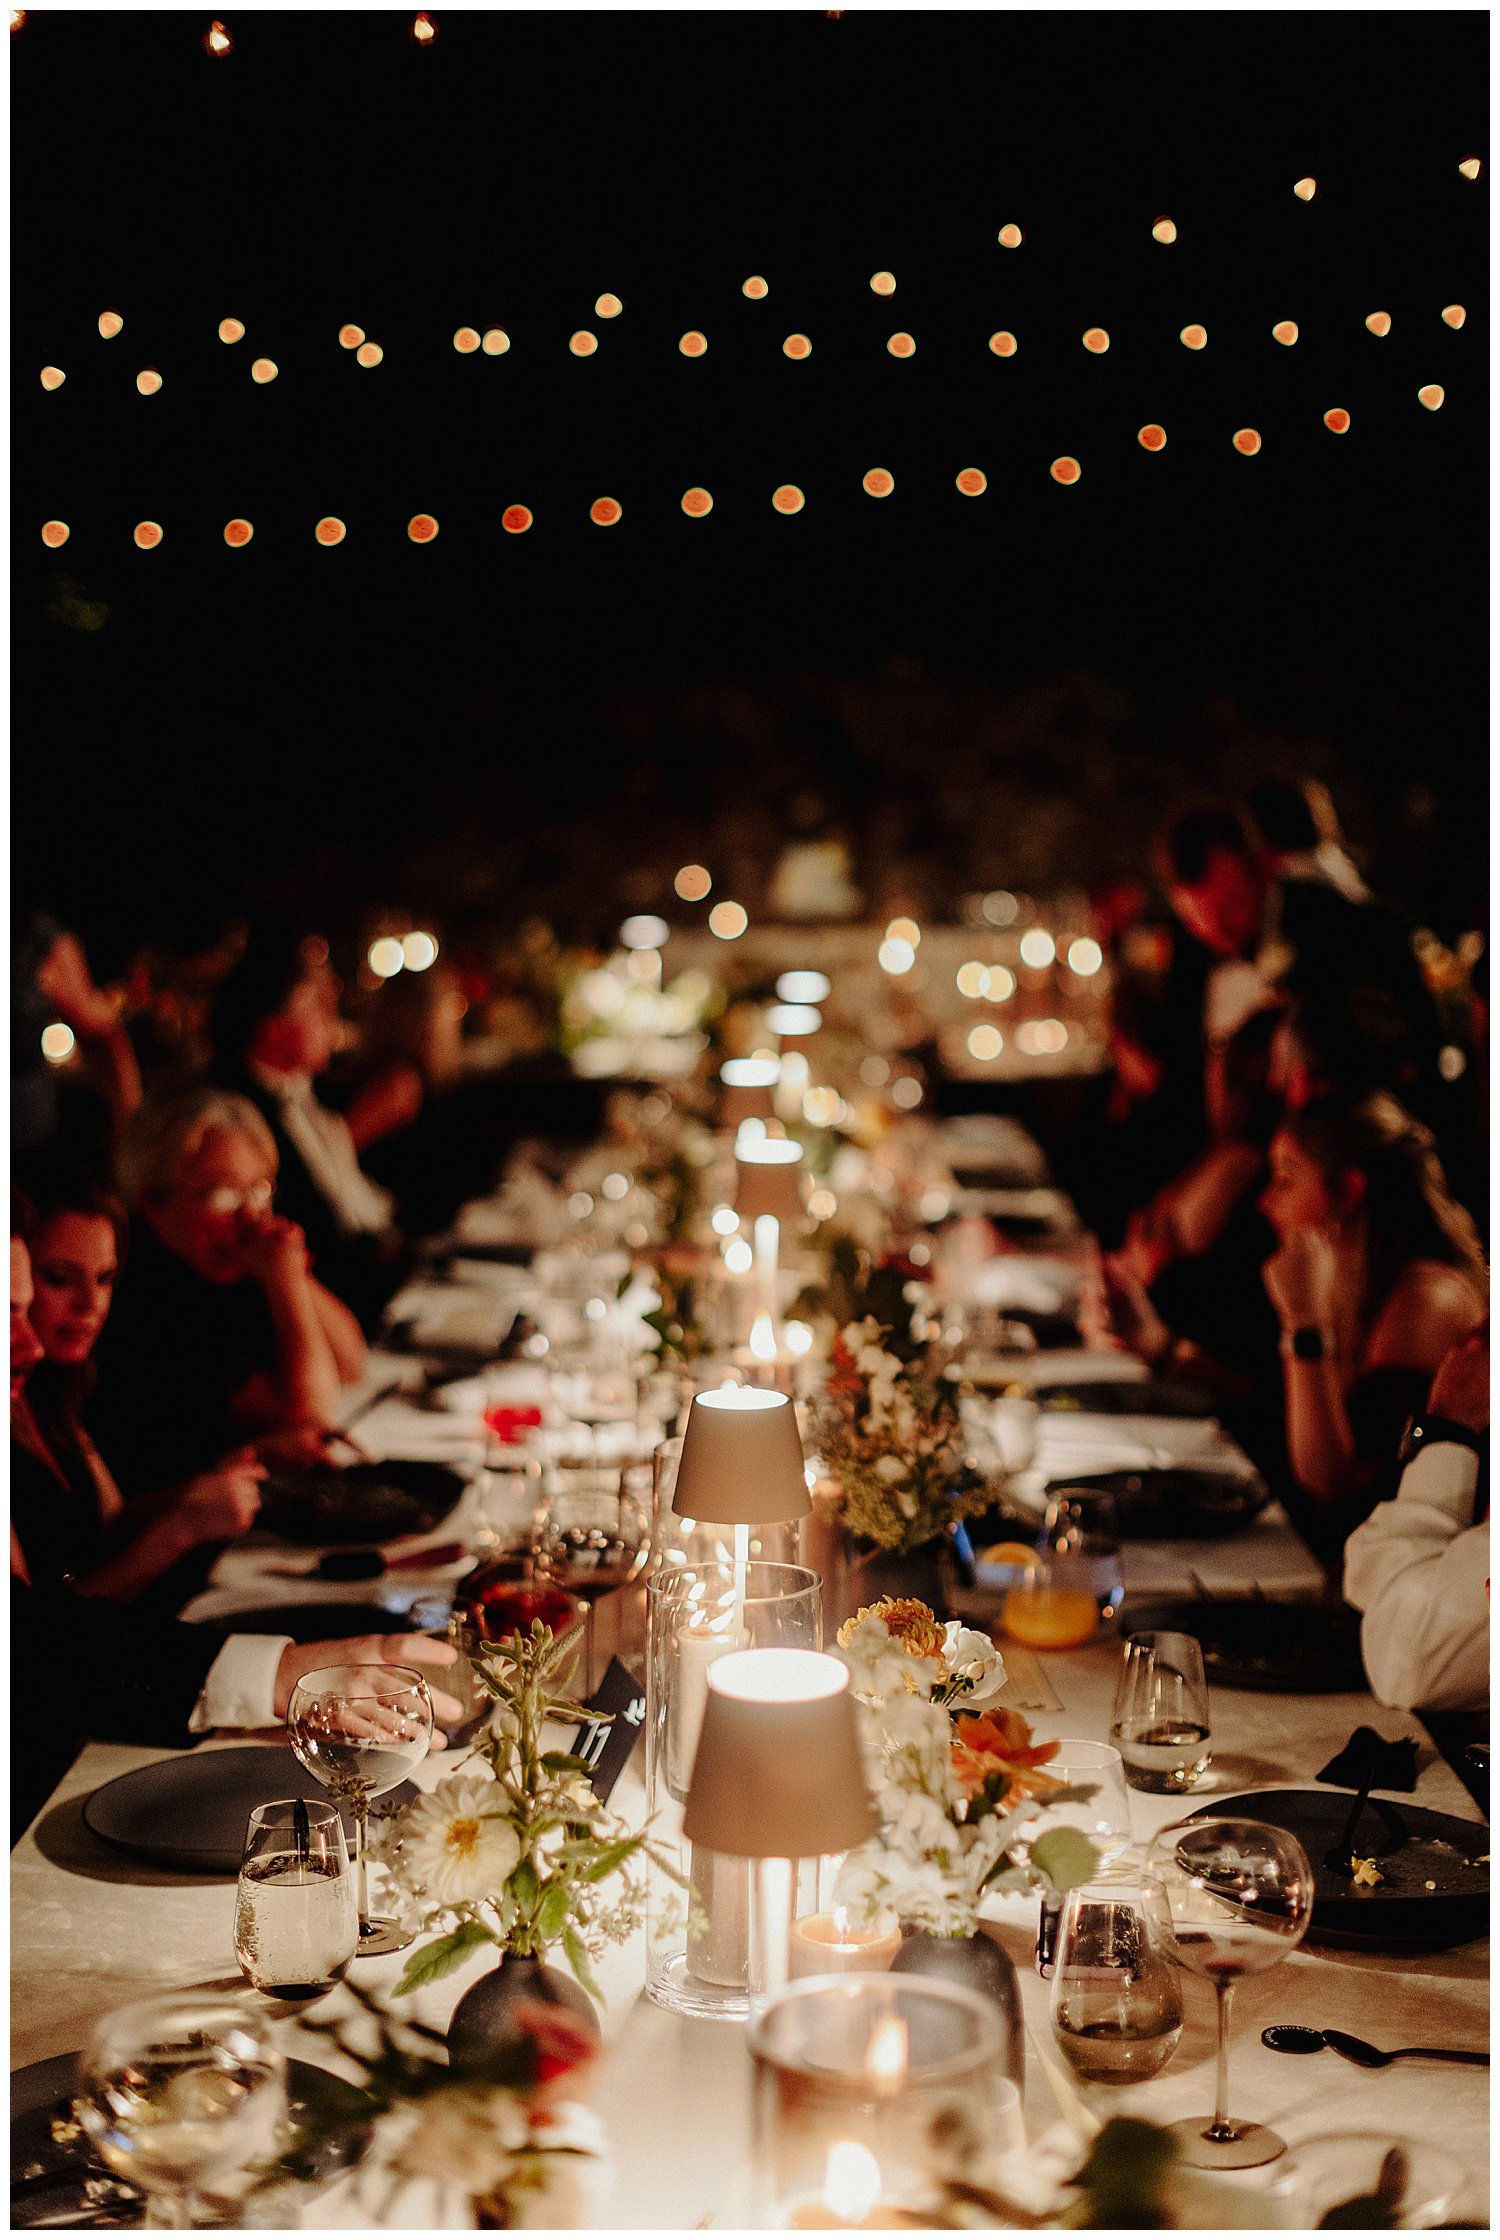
[{"x": 255, "y": 1197}]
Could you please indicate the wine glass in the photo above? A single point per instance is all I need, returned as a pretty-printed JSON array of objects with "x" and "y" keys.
[
  {"x": 1075, "y": 1580},
  {"x": 1228, "y": 1898},
  {"x": 595, "y": 1536},
  {"x": 359, "y": 1729},
  {"x": 296, "y": 1924},
  {"x": 180, "y": 2095},
  {"x": 1116, "y": 2008}
]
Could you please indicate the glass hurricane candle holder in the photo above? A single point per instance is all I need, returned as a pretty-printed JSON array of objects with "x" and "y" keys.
[
  {"x": 698, "y": 1939},
  {"x": 880, "y": 2102}
]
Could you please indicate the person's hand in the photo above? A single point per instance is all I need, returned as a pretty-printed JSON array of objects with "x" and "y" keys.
[
  {"x": 1133, "y": 1321},
  {"x": 222, "y": 1503},
  {"x": 1150, "y": 1242},
  {"x": 302, "y": 1446},
  {"x": 1461, "y": 1388},
  {"x": 273, "y": 1251},
  {"x": 372, "y": 1648},
  {"x": 1302, "y": 1280},
  {"x": 65, "y": 979}
]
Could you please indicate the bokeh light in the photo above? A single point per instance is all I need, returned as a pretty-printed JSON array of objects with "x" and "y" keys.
[
  {"x": 330, "y": 530},
  {"x": 422, "y": 528},
  {"x": 55, "y": 534},
  {"x": 368, "y": 354},
  {"x": 904, "y": 929},
  {"x": 424, "y": 30},
  {"x": 148, "y": 381},
  {"x": 644, "y": 931},
  {"x": 794, "y": 1019},
  {"x": 53, "y": 377},
  {"x": 1037, "y": 948},
  {"x": 724, "y": 1221},
  {"x": 605, "y": 512},
  {"x": 1285, "y": 332},
  {"x": 385, "y": 957},
  {"x": 1084, "y": 957},
  {"x": 583, "y": 344},
  {"x": 1454, "y": 315},
  {"x": 755, "y": 288},
  {"x": 972, "y": 481},
  {"x": 238, "y": 532},
  {"x": 608, "y": 307},
  {"x": 787, "y": 498},
  {"x": 1431, "y": 396},
  {"x": 148, "y": 534},
  {"x": 728, "y": 920},
  {"x": 906, "y": 1091},
  {"x": 985, "y": 1042},
  {"x": 418, "y": 951},
  {"x": 883, "y": 283},
  {"x": 874, "y": 1072},
  {"x": 1193, "y": 337},
  {"x": 697, "y": 502},
  {"x": 1336, "y": 420},
  {"x": 692, "y": 882},
  {"x": 1066, "y": 469},
  {"x": 1379, "y": 322},
  {"x": 1470, "y": 167},
  {"x": 879, "y": 482},
  {"x": 264, "y": 370},
  {"x": 999, "y": 907},
  {"x": 1042, "y": 1038},
  {"x": 1305, "y": 189},
  {"x": 57, "y": 1042},
  {"x": 1003, "y": 343},
  {"x": 739, "y": 1257},
  {"x": 973, "y": 979},
  {"x": 896, "y": 956},
  {"x": 217, "y": 40},
  {"x": 1164, "y": 231},
  {"x": 516, "y": 520},
  {"x": 496, "y": 342},
  {"x": 1247, "y": 442},
  {"x": 693, "y": 343},
  {"x": 1096, "y": 340},
  {"x": 465, "y": 341},
  {"x": 1001, "y": 985},
  {"x": 1153, "y": 437},
  {"x": 231, "y": 330},
  {"x": 902, "y": 345},
  {"x": 796, "y": 346},
  {"x": 110, "y": 324},
  {"x": 802, "y": 987},
  {"x": 1009, "y": 237},
  {"x": 350, "y": 337}
]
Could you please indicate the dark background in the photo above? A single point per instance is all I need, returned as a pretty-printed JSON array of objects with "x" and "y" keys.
[{"x": 1003, "y": 688}]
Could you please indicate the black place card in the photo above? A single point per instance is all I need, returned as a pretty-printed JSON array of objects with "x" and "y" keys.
[{"x": 605, "y": 1744}]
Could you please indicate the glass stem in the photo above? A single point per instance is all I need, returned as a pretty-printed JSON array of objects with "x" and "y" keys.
[
  {"x": 362, "y": 1888},
  {"x": 1221, "y": 2127},
  {"x": 588, "y": 1648}
]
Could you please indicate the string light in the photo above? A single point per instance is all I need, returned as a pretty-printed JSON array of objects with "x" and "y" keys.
[
  {"x": 424, "y": 31},
  {"x": 17, "y": 18},
  {"x": 1038, "y": 949},
  {"x": 264, "y": 370},
  {"x": 1379, "y": 322},
  {"x": 148, "y": 534},
  {"x": 883, "y": 283},
  {"x": 238, "y": 532},
  {"x": 973, "y": 979},
  {"x": 728, "y": 920},
  {"x": 605, "y": 512},
  {"x": 53, "y": 377},
  {"x": 905, "y": 929},
  {"x": 985, "y": 1043},
  {"x": 1003, "y": 344},
  {"x": 1097, "y": 340},
  {"x": 55, "y": 534},
  {"x": 901, "y": 346},
  {"x": 1009, "y": 237},
  {"x": 1084, "y": 957},
  {"x": 1193, "y": 337},
  {"x": 148, "y": 381},
  {"x": 1431, "y": 396},
  {"x": 1305, "y": 189},
  {"x": 422, "y": 528},
  {"x": 110, "y": 324},
  {"x": 1470, "y": 167},
  {"x": 879, "y": 482},
  {"x": 796, "y": 346},
  {"x": 368, "y": 354},
  {"x": 583, "y": 344},
  {"x": 1164, "y": 231},
  {"x": 516, "y": 520},
  {"x": 787, "y": 498},
  {"x": 496, "y": 342},
  {"x": 1247, "y": 441},
  {"x": 1336, "y": 420},
  {"x": 697, "y": 502},
  {"x": 1153, "y": 437},
  {"x": 693, "y": 343},
  {"x": 972, "y": 481},
  {"x": 1066, "y": 470},
  {"x": 895, "y": 957},
  {"x": 1285, "y": 331},
  {"x": 231, "y": 330},
  {"x": 57, "y": 1041},
  {"x": 465, "y": 340},
  {"x": 693, "y": 882},
  {"x": 418, "y": 951},
  {"x": 385, "y": 959},
  {"x": 1454, "y": 315},
  {"x": 755, "y": 288},
  {"x": 216, "y": 39},
  {"x": 608, "y": 307}
]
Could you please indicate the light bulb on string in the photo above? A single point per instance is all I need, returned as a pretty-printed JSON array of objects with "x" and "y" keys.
[
  {"x": 424, "y": 30},
  {"x": 216, "y": 39}
]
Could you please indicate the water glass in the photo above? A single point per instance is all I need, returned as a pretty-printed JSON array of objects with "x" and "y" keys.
[
  {"x": 1161, "y": 1724},
  {"x": 296, "y": 1922},
  {"x": 1116, "y": 2006},
  {"x": 1105, "y": 1816}
]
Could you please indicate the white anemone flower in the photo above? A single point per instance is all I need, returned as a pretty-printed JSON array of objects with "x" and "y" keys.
[
  {"x": 456, "y": 1845},
  {"x": 973, "y": 1658}
]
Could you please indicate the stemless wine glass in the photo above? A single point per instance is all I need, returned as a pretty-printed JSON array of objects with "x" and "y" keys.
[
  {"x": 1161, "y": 1721},
  {"x": 296, "y": 1922},
  {"x": 1228, "y": 1898},
  {"x": 1116, "y": 2007},
  {"x": 1075, "y": 1582},
  {"x": 595, "y": 1537},
  {"x": 180, "y": 2095},
  {"x": 359, "y": 1729}
]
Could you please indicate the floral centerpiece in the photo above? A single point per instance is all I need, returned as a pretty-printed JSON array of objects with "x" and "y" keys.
[
  {"x": 890, "y": 1433},
  {"x": 515, "y": 1851},
  {"x": 956, "y": 1778},
  {"x": 502, "y": 2125}
]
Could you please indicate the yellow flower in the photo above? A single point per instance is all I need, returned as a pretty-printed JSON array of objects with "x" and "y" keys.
[{"x": 909, "y": 1623}]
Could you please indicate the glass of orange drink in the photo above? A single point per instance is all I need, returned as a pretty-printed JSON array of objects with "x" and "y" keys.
[{"x": 1072, "y": 1583}]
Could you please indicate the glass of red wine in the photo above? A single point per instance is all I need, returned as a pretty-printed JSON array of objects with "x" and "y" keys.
[
  {"x": 1228, "y": 1898},
  {"x": 594, "y": 1538}
]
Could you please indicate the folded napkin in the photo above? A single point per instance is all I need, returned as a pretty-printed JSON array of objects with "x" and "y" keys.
[{"x": 1391, "y": 1765}]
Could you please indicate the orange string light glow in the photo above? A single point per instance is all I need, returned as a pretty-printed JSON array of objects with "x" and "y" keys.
[
  {"x": 1247, "y": 441},
  {"x": 1285, "y": 331},
  {"x": 264, "y": 370},
  {"x": 583, "y": 344},
  {"x": 1097, "y": 340},
  {"x": 1379, "y": 322},
  {"x": 972, "y": 481},
  {"x": 216, "y": 39},
  {"x": 1431, "y": 396},
  {"x": 424, "y": 31},
  {"x": 110, "y": 324},
  {"x": 496, "y": 342},
  {"x": 1336, "y": 420},
  {"x": 1153, "y": 437},
  {"x": 1164, "y": 231},
  {"x": 796, "y": 346},
  {"x": 1454, "y": 315},
  {"x": 1305, "y": 189},
  {"x": 697, "y": 502},
  {"x": 421, "y": 528},
  {"x": 351, "y": 337},
  {"x": 465, "y": 341},
  {"x": 901, "y": 346},
  {"x": 605, "y": 512},
  {"x": 1470, "y": 167},
  {"x": 53, "y": 377},
  {"x": 1194, "y": 337},
  {"x": 883, "y": 283},
  {"x": 755, "y": 288},
  {"x": 330, "y": 530},
  {"x": 55, "y": 533},
  {"x": 148, "y": 381},
  {"x": 879, "y": 482},
  {"x": 368, "y": 354},
  {"x": 1009, "y": 237},
  {"x": 693, "y": 344},
  {"x": 787, "y": 498},
  {"x": 1066, "y": 470},
  {"x": 231, "y": 330},
  {"x": 148, "y": 534},
  {"x": 1003, "y": 344},
  {"x": 516, "y": 520},
  {"x": 238, "y": 532},
  {"x": 608, "y": 307}
]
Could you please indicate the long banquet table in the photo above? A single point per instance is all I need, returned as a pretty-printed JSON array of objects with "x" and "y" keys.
[{"x": 91, "y": 1929}]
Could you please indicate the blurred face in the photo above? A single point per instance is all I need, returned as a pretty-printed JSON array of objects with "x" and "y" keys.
[
  {"x": 25, "y": 1346},
  {"x": 226, "y": 1183},
  {"x": 73, "y": 1270},
  {"x": 303, "y": 1035},
  {"x": 1224, "y": 909},
  {"x": 1297, "y": 1196}
]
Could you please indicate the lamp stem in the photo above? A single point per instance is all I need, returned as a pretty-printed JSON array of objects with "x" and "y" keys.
[{"x": 771, "y": 1927}]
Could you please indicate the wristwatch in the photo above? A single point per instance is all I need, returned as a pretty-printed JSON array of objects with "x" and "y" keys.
[
  {"x": 1310, "y": 1343},
  {"x": 1439, "y": 1431}
]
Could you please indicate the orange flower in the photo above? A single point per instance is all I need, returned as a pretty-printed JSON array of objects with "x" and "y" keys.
[
  {"x": 1000, "y": 1743},
  {"x": 907, "y": 1621}
]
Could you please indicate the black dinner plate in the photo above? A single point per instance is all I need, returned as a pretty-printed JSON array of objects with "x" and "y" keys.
[
  {"x": 190, "y": 1811},
  {"x": 1435, "y": 1890},
  {"x": 59, "y": 2183},
  {"x": 370, "y": 1501},
  {"x": 1179, "y": 1503},
  {"x": 319, "y": 1621},
  {"x": 1121, "y": 1396},
  {"x": 1265, "y": 1648}
]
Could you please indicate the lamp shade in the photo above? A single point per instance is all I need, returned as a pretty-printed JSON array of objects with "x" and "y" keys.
[
  {"x": 742, "y": 1460},
  {"x": 745, "y": 1090},
  {"x": 766, "y": 1179},
  {"x": 778, "y": 1772}
]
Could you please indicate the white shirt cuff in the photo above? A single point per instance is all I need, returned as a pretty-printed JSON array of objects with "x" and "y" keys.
[
  {"x": 239, "y": 1688},
  {"x": 1446, "y": 1476}
]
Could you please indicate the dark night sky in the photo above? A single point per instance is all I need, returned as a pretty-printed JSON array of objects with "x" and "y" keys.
[{"x": 329, "y": 170}]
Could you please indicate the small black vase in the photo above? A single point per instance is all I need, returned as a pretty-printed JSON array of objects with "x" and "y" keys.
[
  {"x": 978, "y": 1964},
  {"x": 482, "y": 2019}
]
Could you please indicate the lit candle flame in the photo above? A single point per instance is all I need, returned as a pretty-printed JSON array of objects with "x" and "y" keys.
[
  {"x": 887, "y": 2052},
  {"x": 851, "y": 2181}
]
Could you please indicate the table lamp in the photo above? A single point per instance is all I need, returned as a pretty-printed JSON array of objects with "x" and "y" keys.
[{"x": 777, "y": 1778}]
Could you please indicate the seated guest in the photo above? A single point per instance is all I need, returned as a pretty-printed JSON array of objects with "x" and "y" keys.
[
  {"x": 1298, "y": 828},
  {"x": 69, "y": 1524},
  {"x": 1419, "y": 1566},
  {"x": 275, "y": 1029},
  {"x": 219, "y": 1334},
  {"x": 1379, "y": 1272},
  {"x": 407, "y": 1052},
  {"x": 51, "y": 984}
]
